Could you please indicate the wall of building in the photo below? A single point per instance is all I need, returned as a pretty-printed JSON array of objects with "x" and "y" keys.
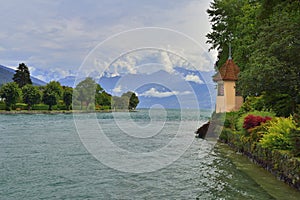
[
  {"x": 239, "y": 100},
  {"x": 220, "y": 104},
  {"x": 228, "y": 102},
  {"x": 229, "y": 94}
]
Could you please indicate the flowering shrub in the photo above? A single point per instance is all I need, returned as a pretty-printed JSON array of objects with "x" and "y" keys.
[
  {"x": 278, "y": 134},
  {"x": 252, "y": 121},
  {"x": 241, "y": 119}
]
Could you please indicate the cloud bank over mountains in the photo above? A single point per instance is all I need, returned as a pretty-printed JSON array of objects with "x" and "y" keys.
[
  {"x": 156, "y": 48},
  {"x": 56, "y": 36}
]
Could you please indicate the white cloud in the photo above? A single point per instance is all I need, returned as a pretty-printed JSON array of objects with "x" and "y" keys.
[
  {"x": 42, "y": 78},
  {"x": 61, "y": 33},
  {"x": 146, "y": 61},
  {"x": 166, "y": 61},
  {"x": 153, "y": 92},
  {"x": 186, "y": 93},
  {"x": 52, "y": 74},
  {"x": 193, "y": 78},
  {"x": 117, "y": 89}
]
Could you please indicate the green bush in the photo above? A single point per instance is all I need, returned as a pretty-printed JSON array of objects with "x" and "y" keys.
[
  {"x": 61, "y": 107},
  {"x": 278, "y": 134},
  {"x": 225, "y": 134},
  {"x": 295, "y": 141},
  {"x": 91, "y": 107},
  {"x": 275, "y": 141},
  {"x": 105, "y": 108},
  {"x": 257, "y": 133},
  {"x": 252, "y": 104},
  {"x": 2, "y": 106},
  {"x": 20, "y": 106},
  {"x": 231, "y": 119},
  {"x": 40, "y": 106},
  {"x": 280, "y": 104}
]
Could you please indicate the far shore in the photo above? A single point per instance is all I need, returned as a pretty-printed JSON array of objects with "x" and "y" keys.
[{"x": 60, "y": 111}]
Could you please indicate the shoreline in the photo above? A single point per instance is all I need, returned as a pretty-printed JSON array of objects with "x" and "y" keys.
[
  {"x": 259, "y": 174},
  {"x": 282, "y": 166},
  {"x": 14, "y": 112}
]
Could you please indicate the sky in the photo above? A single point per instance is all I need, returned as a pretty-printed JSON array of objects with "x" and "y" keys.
[{"x": 58, "y": 38}]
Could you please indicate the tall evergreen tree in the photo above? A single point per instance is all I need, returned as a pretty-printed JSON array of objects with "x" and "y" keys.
[{"x": 22, "y": 75}]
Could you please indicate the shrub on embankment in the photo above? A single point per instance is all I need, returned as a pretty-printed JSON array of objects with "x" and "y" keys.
[{"x": 272, "y": 142}]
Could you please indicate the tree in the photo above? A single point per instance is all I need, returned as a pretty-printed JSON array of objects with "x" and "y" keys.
[
  {"x": 273, "y": 67},
  {"x": 133, "y": 100},
  {"x": 103, "y": 99},
  {"x": 85, "y": 91},
  {"x": 31, "y": 95},
  {"x": 120, "y": 102},
  {"x": 128, "y": 100},
  {"x": 67, "y": 96},
  {"x": 223, "y": 17},
  {"x": 22, "y": 75},
  {"x": 52, "y": 93},
  {"x": 265, "y": 44},
  {"x": 10, "y": 92}
]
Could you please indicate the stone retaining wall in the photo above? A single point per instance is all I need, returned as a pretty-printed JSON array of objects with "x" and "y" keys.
[{"x": 284, "y": 166}]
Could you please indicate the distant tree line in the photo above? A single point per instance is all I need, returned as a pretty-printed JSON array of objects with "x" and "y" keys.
[{"x": 87, "y": 95}]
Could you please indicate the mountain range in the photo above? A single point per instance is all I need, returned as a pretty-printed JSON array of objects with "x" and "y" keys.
[
  {"x": 6, "y": 75},
  {"x": 183, "y": 89}
]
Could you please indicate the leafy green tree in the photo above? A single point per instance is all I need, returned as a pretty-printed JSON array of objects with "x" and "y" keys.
[
  {"x": 85, "y": 91},
  {"x": 99, "y": 89},
  {"x": 273, "y": 66},
  {"x": 103, "y": 99},
  {"x": 31, "y": 95},
  {"x": 11, "y": 93},
  {"x": 133, "y": 100},
  {"x": 265, "y": 45},
  {"x": 120, "y": 102},
  {"x": 52, "y": 93},
  {"x": 68, "y": 96},
  {"x": 128, "y": 100},
  {"x": 22, "y": 75},
  {"x": 223, "y": 17}
]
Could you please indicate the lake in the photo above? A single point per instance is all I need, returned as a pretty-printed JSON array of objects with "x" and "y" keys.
[{"x": 149, "y": 154}]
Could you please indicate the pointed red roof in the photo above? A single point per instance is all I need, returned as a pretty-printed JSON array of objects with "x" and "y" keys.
[{"x": 228, "y": 72}]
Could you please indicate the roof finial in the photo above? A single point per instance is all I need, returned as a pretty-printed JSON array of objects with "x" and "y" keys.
[{"x": 229, "y": 57}]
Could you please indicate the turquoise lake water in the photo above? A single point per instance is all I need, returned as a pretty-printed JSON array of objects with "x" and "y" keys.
[{"x": 44, "y": 157}]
